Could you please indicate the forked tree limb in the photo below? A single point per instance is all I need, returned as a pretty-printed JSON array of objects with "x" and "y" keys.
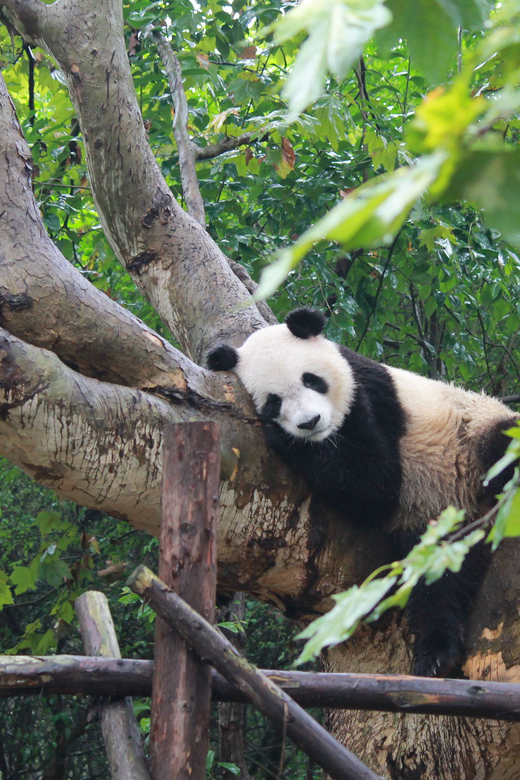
[
  {"x": 95, "y": 443},
  {"x": 47, "y": 302},
  {"x": 190, "y": 152},
  {"x": 170, "y": 256}
]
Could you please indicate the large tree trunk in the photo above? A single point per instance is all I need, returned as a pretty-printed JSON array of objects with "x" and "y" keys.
[{"x": 85, "y": 389}]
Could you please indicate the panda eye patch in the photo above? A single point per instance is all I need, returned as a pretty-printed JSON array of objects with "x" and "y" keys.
[
  {"x": 315, "y": 383},
  {"x": 272, "y": 406}
]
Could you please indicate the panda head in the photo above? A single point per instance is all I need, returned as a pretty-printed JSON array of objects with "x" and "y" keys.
[{"x": 296, "y": 377}]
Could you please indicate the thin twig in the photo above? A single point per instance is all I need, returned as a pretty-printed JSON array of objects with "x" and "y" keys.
[
  {"x": 381, "y": 279},
  {"x": 227, "y": 144},
  {"x": 510, "y": 399}
]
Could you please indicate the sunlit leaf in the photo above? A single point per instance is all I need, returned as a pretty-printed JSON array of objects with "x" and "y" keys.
[
  {"x": 342, "y": 620},
  {"x": 370, "y": 215},
  {"x": 338, "y": 31},
  {"x": 443, "y": 117}
]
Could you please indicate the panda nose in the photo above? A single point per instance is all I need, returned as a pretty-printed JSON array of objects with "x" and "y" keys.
[{"x": 310, "y": 424}]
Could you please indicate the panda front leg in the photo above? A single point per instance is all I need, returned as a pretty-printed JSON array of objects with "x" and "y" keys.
[{"x": 438, "y": 615}]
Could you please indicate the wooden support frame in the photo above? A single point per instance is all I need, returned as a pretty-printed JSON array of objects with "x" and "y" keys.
[{"x": 274, "y": 703}]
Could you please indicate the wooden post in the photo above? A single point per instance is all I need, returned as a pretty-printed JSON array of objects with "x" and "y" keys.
[
  {"x": 182, "y": 682},
  {"x": 120, "y": 731}
]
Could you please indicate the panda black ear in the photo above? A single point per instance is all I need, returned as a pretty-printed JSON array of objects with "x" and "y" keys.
[
  {"x": 223, "y": 358},
  {"x": 304, "y": 323}
]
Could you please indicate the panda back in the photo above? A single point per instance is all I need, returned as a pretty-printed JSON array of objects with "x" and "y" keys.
[{"x": 452, "y": 438}]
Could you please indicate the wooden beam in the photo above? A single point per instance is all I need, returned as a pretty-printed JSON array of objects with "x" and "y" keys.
[{"x": 80, "y": 675}]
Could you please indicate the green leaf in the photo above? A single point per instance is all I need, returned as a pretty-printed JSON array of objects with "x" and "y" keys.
[
  {"x": 342, "y": 620},
  {"x": 338, "y": 30},
  {"x": 48, "y": 521},
  {"x": 512, "y": 521},
  {"x": 38, "y": 644},
  {"x": 307, "y": 77},
  {"x": 443, "y": 117},
  {"x": 233, "y": 768},
  {"x": 509, "y": 508},
  {"x": 25, "y": 577},
  {"x": 52, "y": 569},
  {"x": 370, "y": 215},
  {"x": 382, "y": 152},
  {"x": 490, "y": 180},
  {"x": 6, "y": 596},
  {"x": 429, "y": 236},
  {"x": 430, "y": 31}
]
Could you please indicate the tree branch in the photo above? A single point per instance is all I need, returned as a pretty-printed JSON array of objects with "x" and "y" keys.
[
  {"x": 510, "y": 399},
  {"x": 81, "y": 675},
  {"x": 101, "y": 445},
  {"x": 190, "y": 152},
  {"x": 227, "y": 144},
  {"x": 186, "y": 148},
  {"x": 87, "y": 440},
  {"x": 44, "y": 300},
  {"x": 27, "y": 16}
]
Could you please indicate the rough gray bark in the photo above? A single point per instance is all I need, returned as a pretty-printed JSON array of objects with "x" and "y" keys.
[{"x": 85, "y": 389}]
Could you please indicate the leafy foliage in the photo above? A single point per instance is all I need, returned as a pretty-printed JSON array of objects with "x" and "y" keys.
[
  {"x": 51, "y": 551},
  {"x": 445, "y": 124},
  {"x": 427, "y": 559}
]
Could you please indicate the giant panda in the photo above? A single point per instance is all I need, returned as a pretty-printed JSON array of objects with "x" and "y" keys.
[{"x": 388, "y": 448}]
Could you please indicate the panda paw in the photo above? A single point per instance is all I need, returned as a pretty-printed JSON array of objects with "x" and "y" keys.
[
  {"x": 275, "y": 435},
  {"x": 437, "y": 655},
  {"x": 283, "y": 444}
]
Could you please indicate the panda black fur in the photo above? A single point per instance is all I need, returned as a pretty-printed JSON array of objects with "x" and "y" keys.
[{"x": 388, "y": 448}]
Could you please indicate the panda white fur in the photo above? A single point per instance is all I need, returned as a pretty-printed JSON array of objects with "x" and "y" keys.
[{"x": 388, "y": 448}]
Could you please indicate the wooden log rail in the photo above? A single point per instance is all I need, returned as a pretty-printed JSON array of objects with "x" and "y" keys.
[{"x": 79, "y": 675}]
